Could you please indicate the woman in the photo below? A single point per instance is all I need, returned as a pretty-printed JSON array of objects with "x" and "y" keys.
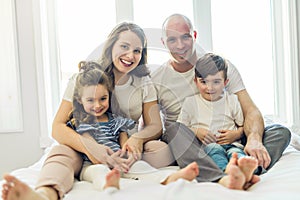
[{"x": 125, "y": 57}]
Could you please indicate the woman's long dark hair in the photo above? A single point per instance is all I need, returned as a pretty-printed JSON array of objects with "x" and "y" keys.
[{"x": 106, "y": 59}]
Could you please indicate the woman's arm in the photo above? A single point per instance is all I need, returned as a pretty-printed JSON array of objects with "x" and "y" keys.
[
  {"x": 123, "y": 138},
  {"x": 152, "y": 123},
  {"x": 152, "y": 130},
  {"x": 61, "y": 132}
]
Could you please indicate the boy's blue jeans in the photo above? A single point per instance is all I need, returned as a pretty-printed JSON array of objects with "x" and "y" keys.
[{"x": 221, "y": 154}]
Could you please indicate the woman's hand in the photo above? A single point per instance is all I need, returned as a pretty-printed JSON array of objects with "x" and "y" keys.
[
  {"x": 101, "y": 154},
  {"x": 134, "y": 148}
]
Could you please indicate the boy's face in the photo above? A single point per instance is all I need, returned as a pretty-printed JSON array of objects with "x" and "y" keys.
[{"x": 211, "y": 88}]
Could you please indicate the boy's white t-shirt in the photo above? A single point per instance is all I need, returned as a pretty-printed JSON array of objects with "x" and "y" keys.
[
  {"x": 223, "y": 114},
  {"x": 130, "y": 96},
  {"x": 173, "y": 87}
]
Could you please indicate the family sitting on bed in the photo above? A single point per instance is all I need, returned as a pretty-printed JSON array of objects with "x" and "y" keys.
[{"x": 137, "y": 95}]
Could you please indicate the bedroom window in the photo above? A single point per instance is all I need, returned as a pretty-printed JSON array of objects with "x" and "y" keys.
[{"x": 10, "y": 103}]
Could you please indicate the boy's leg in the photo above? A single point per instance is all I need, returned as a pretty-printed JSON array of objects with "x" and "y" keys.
[{"x": 218, "y": 154}]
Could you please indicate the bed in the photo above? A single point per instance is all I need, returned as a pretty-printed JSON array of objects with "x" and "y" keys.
[{"x": 281, "y": 182}]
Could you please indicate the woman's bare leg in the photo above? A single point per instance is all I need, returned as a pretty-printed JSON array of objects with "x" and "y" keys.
[{"x": 14, "y": 189}]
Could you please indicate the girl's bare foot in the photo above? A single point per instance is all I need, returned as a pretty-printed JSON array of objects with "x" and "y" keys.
[
  {"x": 14, "y": 189},
  {"x": 188, "y": 173},
  {"x": 113, "y": 179},
  {"x": 248, "y": 164}
]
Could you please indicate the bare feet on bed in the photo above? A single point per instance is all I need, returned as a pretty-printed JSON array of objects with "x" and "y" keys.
[
  {"x": 247, "y": 164},
  {"x": 112, "y": 179},
  {"x": 188, "y": 173},
  {"x": 14, "y": 189},
  {"x": 240, "y": 173},
  {"x": 235, "y": 179}
]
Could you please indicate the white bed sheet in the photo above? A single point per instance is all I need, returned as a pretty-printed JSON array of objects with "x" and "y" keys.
[{"x": 281, "y": 182}]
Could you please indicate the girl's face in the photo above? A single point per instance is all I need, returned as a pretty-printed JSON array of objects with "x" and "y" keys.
[
  {"x": 211, "y": 88},
  {"x": 127, "y": 52},
  {"x": 95, "y": 100}
]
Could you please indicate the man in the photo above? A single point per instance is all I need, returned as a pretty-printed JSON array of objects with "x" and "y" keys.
[{"x": 174, "y": 82}]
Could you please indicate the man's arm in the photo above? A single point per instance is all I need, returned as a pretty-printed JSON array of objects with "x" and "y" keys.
[{"x": 253, "y": 129}]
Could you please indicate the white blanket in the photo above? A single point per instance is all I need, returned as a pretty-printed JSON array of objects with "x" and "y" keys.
[{"x": 282, "y": 182}]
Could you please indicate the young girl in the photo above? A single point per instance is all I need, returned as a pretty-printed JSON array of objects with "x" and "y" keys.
[{"x": 92, "y": 119}]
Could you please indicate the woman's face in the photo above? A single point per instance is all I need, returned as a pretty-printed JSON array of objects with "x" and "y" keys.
[{"x": 127, "y": 52}]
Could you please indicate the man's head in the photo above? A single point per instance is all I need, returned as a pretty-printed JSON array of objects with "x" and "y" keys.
[{"x": 179, "y": 38}]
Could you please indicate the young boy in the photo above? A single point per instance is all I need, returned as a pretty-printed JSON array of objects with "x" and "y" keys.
[{"x": 214, "y": 115}]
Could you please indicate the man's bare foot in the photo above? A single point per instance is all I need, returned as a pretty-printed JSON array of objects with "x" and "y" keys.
[
  {"x": 235, "y": 179},
  {"x": 188, "y": 173},
  {"x": 14, "y": 189},
  {"x": 113, "y": 179},
  {"x": 248, "y": 164}
]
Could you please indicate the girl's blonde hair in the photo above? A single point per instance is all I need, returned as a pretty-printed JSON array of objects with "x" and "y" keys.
[{"x": 90, "y": 74}]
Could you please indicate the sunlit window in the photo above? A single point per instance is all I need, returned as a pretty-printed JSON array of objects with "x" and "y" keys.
[
  {"x": 241, "y": 31},
  {"x": 10, "y": 101},
  {"x": 82, "y": 27}
]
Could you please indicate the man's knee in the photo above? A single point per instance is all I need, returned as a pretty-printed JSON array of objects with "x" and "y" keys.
[{"x": 281, "y": 133}]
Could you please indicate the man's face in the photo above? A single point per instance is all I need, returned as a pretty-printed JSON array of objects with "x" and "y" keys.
[{"x": 179, "y": 40}]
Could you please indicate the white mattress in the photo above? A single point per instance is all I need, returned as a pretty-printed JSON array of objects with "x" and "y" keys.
[{"x": 282, "y": 182}]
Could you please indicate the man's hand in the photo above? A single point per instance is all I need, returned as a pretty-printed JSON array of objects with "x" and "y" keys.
[
  {"x": 257, "y": 150},
  {"x": 134, "y": 147}
]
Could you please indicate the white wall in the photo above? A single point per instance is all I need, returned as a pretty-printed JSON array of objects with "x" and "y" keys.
[{"x": 23, "y": 148}]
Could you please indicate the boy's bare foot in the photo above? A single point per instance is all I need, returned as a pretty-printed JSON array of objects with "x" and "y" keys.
[
  {"x": 248, "y": 164},
  {"x": 188, "y": 173},
  {"x": 14, "y": 189},
  {"x": 113, "y": 179},
  {"x": 235, "y": 179}
]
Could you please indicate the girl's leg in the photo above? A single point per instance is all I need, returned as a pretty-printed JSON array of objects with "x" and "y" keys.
[{"x": 95, "y": 174}]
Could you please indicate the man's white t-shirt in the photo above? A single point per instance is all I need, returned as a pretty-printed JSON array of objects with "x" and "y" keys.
[{"x": 173, "y": 87}]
